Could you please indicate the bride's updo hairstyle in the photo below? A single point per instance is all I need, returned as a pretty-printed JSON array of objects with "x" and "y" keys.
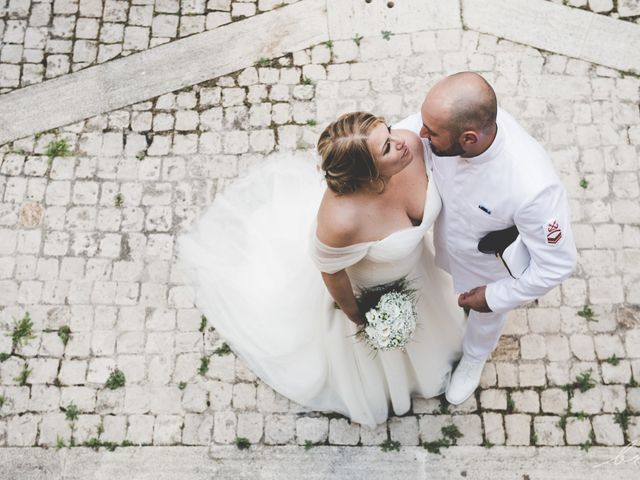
[{"x": 347, "y": 161}]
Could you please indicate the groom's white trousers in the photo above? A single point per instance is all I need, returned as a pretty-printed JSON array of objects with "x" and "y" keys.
[{"x": 482, "y": 334}]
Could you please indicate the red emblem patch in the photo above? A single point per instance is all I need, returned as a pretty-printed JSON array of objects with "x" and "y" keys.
[{"x": 554, "y": 234}]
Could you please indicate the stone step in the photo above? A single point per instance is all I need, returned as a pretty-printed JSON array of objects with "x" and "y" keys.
[
  {"x": 331, "y": 463},
  {"x": 559, "y": 29}
]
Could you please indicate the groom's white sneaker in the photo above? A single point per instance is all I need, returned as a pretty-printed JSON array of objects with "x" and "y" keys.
[{"x": 465, "y": 380}]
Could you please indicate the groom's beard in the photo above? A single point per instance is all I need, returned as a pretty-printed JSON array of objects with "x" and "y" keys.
[{"x": 453, "y": 151}]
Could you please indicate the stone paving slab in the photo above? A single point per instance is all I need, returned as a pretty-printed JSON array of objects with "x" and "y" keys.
[
  {"x": 160, "y": 70},
  {"x": 406, "y": 16},
  {"x": 556, "y": 28},
  {"x": 335, "y": 463}
]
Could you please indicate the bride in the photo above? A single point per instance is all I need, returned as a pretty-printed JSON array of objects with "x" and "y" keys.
[{"x": 366, "y": 224}]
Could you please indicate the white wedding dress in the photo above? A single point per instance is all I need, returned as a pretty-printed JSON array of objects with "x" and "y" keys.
[{"x": 253, "y": 260}]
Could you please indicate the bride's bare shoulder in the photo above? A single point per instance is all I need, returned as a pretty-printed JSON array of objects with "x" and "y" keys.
[{"x": 338, "y": 220}]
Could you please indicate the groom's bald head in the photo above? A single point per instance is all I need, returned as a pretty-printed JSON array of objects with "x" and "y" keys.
[
  {"x": 465, "y": 101},
  {"x": 459, "y": 103}
]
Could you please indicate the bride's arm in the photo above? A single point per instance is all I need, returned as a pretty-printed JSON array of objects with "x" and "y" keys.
[
  {"x": 337, "y": 226},
  {"x": 339, "y": 287}
]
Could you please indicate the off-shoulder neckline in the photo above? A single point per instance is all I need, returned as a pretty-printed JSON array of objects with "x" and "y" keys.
[{"x": 406, "y": 229}]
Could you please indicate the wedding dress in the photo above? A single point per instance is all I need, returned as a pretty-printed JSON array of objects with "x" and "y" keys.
[{"x": 253, "y": 260}]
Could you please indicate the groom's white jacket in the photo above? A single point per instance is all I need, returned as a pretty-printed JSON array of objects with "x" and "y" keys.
[{"x": 512, "y": 183}]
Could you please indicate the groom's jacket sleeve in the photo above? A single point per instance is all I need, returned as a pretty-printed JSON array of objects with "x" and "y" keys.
[{"x": 544, "y": 225}]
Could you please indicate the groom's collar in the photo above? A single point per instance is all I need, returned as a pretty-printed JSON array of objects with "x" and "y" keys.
[{"x": 494, "y": 149}]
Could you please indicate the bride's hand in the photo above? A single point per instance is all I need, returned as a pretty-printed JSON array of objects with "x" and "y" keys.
[{"x": 340, "y": 289}]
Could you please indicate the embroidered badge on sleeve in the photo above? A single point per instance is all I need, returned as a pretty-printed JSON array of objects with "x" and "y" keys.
[{"x": 553, "y": 232}]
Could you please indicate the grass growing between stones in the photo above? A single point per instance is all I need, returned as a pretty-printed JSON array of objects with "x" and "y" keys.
[
  {"x": 443, "y": 409},
  {"x": 450, "y": 436},
  {"x": 242, "y": 443},
  {"x": 583, "y": 383},
  {"x": 57, "y": 148},
  {"x": 23, "y": 376},
  {"x": 222, "y": 350},
  {"x": 22, "y": 331},
  {"x": 390, "y": 445},
  {"x": 72, "y": 412},
  {"x": 587, "y": 314},
  {"x": 203, "y": 324},
  {"x": 204, "y": 366},
  {"x": 4, "y": 356},
  {"x": 562, "y": 423},
  {"x": 589, "y": 443},
  {"x": 115, "y": 380},
  {"x": 2, "y": 400},
  {"x": 64, "y": 332},
  {"x": 263, "y": 62},
  {"x": 95, "y": 444},
  {"x": 613, "y": 360},
  {"x": 622, "y": 418}
]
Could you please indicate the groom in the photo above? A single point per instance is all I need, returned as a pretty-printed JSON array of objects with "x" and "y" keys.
[{"x": 491, "y": 175}]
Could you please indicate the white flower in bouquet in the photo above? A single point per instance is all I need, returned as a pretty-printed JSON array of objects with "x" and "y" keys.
[{"x": 391, "y": 323}]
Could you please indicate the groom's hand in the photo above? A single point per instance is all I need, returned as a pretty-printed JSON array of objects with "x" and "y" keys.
[{"x": 475, "y": 300}]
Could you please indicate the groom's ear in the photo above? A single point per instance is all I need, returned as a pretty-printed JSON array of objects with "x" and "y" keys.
[{"x": 469, "y": 138}]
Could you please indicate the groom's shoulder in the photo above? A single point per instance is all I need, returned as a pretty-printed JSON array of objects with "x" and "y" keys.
[
  {"x": 532, "y": 166},
  {"x": 520, "y": 144},
  {"x": 518, "y": 138},
  {"x": 412, "y": 122}
]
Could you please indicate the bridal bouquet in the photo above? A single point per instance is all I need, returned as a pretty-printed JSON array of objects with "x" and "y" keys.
[{"x": 390, "y": 315}]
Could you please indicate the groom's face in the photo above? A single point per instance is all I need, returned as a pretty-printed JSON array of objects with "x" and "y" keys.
[
  {"x": 441, "y": 139},
  {"x": 454, "y": 149}
]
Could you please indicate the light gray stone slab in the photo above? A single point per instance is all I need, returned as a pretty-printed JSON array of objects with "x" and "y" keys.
[
  {"x": 557, "y": 28},
  {"x": 350, "y": 17},
  {"x": 335, "y": 463},
  {"x": 162, "y": 69}
]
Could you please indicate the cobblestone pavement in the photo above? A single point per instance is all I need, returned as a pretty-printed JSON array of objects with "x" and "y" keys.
[
  {"x": 43, "y": 39},
  {"x": 118, "y": 355}
]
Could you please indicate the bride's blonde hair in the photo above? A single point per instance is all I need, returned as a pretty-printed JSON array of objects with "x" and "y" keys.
[{"x": 346, "y": 159}]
